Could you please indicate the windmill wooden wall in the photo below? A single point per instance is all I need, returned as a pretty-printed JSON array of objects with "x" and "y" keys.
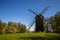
[{"x": 39, "y": 23}]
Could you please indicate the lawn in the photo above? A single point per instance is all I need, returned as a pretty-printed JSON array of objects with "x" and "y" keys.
[{"x": 30, "y": 36}]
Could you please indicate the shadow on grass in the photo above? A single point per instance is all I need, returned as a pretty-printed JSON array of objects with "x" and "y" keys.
[
  {"x": 32, "y": 38},
  {"x": 40, "y": 38}
]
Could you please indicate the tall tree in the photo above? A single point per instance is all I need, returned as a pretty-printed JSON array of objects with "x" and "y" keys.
[
  {"x": 23, "y": 28},
  {"x": 2, "y": 26},
  {"x": 52, "y": 22},
  {"x": 11, "y": 28},
  {"x": 57, "y": 19}
]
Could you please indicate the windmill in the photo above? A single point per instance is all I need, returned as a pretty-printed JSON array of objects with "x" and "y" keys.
[{"x": 39, "y": 24}]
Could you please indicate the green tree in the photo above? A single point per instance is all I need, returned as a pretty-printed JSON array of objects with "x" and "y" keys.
[
  {"x": 11, "y": 28},
  {"x": 2, "y": 26},
  {"x": 23, "y": 28},
  {"x": 52, "y": 22},
  {"x": 57, "y": 19},
  {"x": 18, "y": 27}
]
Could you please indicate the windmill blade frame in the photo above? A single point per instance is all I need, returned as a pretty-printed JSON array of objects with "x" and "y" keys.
[
  {"x": 31, "y": 24},
  {"x": 44, "y": 10},
  {"x": 32, "y": 11}
]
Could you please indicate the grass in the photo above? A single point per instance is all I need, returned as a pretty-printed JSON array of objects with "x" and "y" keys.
[{"x": 30, "y": 36}]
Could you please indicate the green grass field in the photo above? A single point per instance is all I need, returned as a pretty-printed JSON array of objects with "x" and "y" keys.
[{"x": 30, "y": 36}]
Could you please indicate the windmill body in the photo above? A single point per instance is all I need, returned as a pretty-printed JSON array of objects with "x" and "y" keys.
[{"x": 39, "y": 25}]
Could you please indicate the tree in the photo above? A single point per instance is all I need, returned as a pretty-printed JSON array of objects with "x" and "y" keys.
[
  {"x": 57, "y": 19},
  {"x": 11, "y": 28},
  {"x": 55, "y": 22},
  {"x": 52, "y": 22},
  {"x": 2, "y": 27},
  {"x": 23, "y": 28},
  {"x": 18, "y": 27}
]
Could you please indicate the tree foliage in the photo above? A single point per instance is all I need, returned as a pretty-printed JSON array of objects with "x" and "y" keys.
[
  {"x": 12, "y": 27},
  {"x": 55, "y": 22},
  {"x": 2, "y": 26}
]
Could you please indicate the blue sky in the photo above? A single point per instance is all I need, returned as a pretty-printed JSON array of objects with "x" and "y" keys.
[{"x": 16, "y": 10}]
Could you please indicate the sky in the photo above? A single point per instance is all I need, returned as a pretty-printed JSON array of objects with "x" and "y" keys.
[{"x": 17, "y": 10}]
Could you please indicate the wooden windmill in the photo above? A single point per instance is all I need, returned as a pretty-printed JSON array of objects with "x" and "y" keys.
[{"x": 39, "y": 24}]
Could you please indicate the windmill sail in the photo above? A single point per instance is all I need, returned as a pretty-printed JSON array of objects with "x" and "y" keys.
[
  {"x": 44, "y": 10},
  {"x": 32, "y": 11},
  {"x": 31, "y": 24}
]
